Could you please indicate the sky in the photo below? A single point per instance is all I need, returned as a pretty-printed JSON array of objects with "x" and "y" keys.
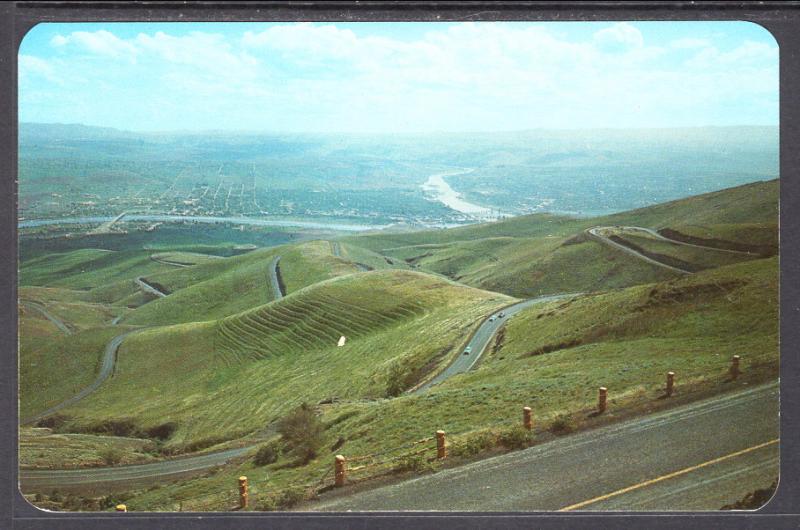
[{"x": 398, "y": 77}]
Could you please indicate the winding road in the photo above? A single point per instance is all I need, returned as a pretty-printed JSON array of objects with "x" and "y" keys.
[
  {"x": 699, "y": 456},
  {"x": 146, "y": 287},
  {"x": 656, "y": 235},
  {"x": 336, "y": 249},
  {"x": 106, "y": 369},
  {"x": 595, "y": 233},
  {"x": 480, "y": 340},
  {"x": 273, "y": 279},
  {"x": 36, "y": 306},
  {"x": 47, "y": 480},
  {"x": 456, "y": 490}
]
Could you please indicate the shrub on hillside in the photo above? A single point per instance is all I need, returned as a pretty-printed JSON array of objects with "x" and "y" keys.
[
  {"x": 268, "y": 454},
  {"x": 415, "y": 463},
  {"x": 111, "y": 455},
  {"x": 562, "y": 424},
  {"x": 53, "y": 422},
  {"x": 516, "y": 437},
  {"x": 303, "y": 432},
  {"x": 285, "y": 499},
  {"x": 474, "y": 444}
]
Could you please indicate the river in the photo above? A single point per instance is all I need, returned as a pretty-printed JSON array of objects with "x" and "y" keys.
[
  {"x": 30, "y": 223},
  {"x": 442, "y": 192}
]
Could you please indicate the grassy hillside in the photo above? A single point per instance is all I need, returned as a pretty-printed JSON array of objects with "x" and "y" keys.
[
  {"x": 41, "y": 448},
  {"x": 215, "y": 386},
  {"x": 88, "y": 268},
  {"x": 54, "y": 366},
  {"x": 552, "y": 358},
  {"x": 222, "y": 287},
  {"x": 542, "y": 254}
]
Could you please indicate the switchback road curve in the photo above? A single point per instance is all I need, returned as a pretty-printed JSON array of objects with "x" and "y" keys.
[
  {"x": 106, "y": 369},
  {"x": 43, "y": 311},
  {"x": 595, "y": 233}
]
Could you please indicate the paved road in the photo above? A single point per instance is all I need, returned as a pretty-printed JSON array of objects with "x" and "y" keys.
[
  {"x": 698, "y": 456},
  {"x": 41, "y": 309},
  {"x": 273, "y": 278},
  {"x": 481, "y": 339},
  {"x": 336, "y": 249},
  {"x": 167, "y": 262},
  {"x": 595, "y": 233},
  {"x": 146, "y": 287},
  {"x": 47, "y": 480},
  {"x": 656, "y": 235},
  {"x": 106, "y": 369}
]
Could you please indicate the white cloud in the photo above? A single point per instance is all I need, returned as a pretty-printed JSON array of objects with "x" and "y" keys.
[
  {"x": 29, "y": 65},
  {"x": 618, "y": 37},
  {"x": 100, "y": 42},
  {"x": 462, "y": 76},
  {"x": 59, "y": 40},
  {"x": 689, "y": 43}
]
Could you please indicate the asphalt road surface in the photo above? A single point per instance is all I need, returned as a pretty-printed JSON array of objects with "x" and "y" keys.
[
  {"x": 106, "y": 369},
  {"x": 146, "y": 287},
  {"x": 594, "y": 232},
  {"x": 336, "y": 249},
  {"x": 171, "y": 263},
  {"x": 656, "y": 235},
  {"x": 699, "y": 456},
  {"x": 481, "y": 339},
  {"x": 273, "y": 278},
  {"x": 47, "y": 480},
  {"x": 41, "y": 309}
]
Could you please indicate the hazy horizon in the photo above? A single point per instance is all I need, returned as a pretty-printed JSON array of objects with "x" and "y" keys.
[{"x": 386, "y": 133}]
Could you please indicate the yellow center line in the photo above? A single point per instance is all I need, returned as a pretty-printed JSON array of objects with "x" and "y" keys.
[{"x": 666, "y": 477}]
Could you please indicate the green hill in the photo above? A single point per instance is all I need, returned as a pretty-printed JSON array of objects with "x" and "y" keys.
[
  {"x": 543, "y": 254},
  {"x": 221, "y": 380},
  {"x": 552, "y": 358},
  {"x": 227, "y": 286}
]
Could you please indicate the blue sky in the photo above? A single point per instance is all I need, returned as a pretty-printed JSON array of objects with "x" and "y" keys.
[{"x": 399, "y": 77}]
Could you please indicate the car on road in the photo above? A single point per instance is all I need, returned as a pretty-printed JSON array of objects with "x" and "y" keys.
[
  {"x": 492, "y": 318},
  {"x": 467, "y": 350},
  {"x": 501, "y": 315}
]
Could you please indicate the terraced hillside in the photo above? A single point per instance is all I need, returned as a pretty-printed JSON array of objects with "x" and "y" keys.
[
  {"x": 221, "y": 380},
  {"x": 223, "y": 287},
  {"x": 313, "y": 318}
]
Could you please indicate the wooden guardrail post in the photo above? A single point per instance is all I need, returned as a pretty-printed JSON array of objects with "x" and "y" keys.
[
  {"x": 735, "y": 371},
  {"x": 242, "y": 492},
  {"x": 670, "y": 383},
  {"x": 339, "y": 470},
  {"x": 602, "y": 398},
  {"x": 121, "y": 508},
  {"x": 441, "y": 446},
  {"x": 527, "y": 422}
]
